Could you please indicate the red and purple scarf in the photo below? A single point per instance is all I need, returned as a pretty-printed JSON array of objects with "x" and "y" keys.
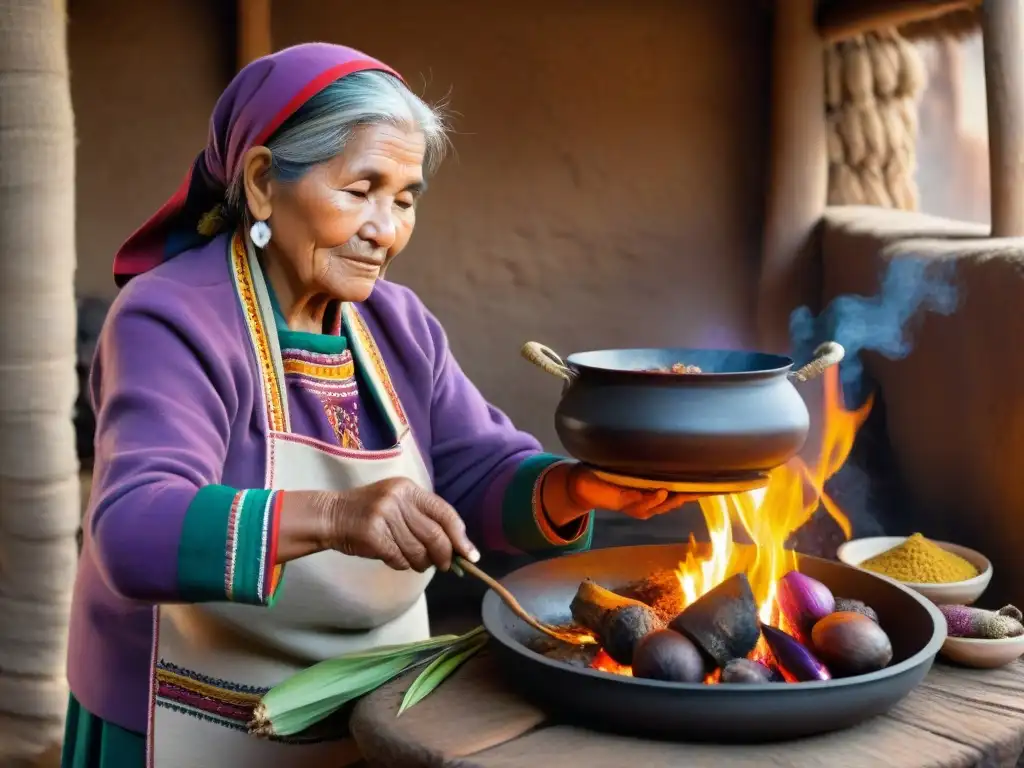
[{"x": 257, "y": 101}]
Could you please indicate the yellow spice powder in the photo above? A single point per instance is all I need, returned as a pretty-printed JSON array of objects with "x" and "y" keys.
[{"x": 920, "y": 561}]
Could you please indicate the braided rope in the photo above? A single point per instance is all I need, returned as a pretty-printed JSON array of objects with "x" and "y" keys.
[{"x": 873, "y": 84}]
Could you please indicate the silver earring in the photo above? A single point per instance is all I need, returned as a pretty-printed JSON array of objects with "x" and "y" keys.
[{"x": 260, "y": 234}]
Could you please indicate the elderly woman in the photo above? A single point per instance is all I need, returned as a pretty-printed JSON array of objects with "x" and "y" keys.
[{"x": 264, "y": 397}]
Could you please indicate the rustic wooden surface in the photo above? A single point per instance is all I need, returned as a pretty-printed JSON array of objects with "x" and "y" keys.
[{"x": 956, "y": 719}]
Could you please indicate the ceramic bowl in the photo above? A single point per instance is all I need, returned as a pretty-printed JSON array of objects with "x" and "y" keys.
[
  {"x": 982, "y": 654},
  {"x": 957, "y": 593}
]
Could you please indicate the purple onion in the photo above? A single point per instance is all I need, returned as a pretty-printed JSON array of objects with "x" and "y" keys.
[
  {"x": 803, "y": 601},
  {"x": 795, "y": 662}
]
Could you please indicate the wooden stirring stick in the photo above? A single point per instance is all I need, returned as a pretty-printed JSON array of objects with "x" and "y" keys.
[{"x": 569, "y": 635}]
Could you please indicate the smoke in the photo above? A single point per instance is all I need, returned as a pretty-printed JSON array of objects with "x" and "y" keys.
[
  {"x": 878, "y": 323},
  {"x": 868, "y": 487}
]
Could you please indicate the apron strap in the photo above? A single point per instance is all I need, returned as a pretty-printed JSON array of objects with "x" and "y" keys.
[
  {"x": 258, "y": 310},
  {"x": 371, "y": 364},
  {"x": 259, "y": 319}
]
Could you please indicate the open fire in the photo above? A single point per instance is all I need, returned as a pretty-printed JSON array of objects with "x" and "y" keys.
[{"x": 769, "y": 516}]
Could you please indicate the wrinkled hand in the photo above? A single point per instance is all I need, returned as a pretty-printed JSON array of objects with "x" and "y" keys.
[
  {"x": 399, "y": 523},
  {"x": 589, "y": 491}
]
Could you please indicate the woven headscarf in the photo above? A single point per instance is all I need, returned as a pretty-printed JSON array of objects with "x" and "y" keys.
[{"x": 257, "y": 101}]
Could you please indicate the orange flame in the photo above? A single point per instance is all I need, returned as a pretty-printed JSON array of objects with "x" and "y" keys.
[{"x": 772, "y": 514}]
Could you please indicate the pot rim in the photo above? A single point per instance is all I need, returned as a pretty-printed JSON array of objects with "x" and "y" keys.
[{"x": 783, "y": 363}]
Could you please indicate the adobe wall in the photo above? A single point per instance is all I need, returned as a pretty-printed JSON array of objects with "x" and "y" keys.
[{"x": 955, "y": 405}]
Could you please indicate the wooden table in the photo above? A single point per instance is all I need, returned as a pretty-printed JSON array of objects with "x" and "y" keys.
[{"x": 955, "y": 719}]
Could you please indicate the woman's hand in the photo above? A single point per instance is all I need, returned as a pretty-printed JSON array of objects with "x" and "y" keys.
[
  {"x": 397, "y": 522},
  {"x": 575, "y": 490},
  {"x": 591, "y": 492}
]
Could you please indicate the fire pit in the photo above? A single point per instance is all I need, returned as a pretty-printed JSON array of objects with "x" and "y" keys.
[
  {"x": 732, "y": 664},
  {"x": 696, "y": 711}
]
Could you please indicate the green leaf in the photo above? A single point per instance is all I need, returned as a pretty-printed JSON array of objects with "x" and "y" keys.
[
  {"x": 332, "y": 673},
  {"x": 292, "y": 710},
  {"x": 475, "y": 632},
  {"x": 439, "y": 670},
  {"x": 309, "y": 696}
]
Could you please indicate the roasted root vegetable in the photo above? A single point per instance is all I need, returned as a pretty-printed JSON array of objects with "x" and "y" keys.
[
  {"x": 669, "y": 656},
  {"x": 856, "y": 606},
  {"x": 747, "y": 671},
  {"x": 723, "y": 622},
  {"x": 965, "y": 621},
  {"x": 618, "y": 622},
  {"x": 851, "y": 644}
]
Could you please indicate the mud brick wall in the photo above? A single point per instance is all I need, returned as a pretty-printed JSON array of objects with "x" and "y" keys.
[{"x": 955, "y": 405}]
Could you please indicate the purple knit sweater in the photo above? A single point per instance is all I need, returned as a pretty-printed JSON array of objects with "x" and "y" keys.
[{"x": 176, "y": 391}]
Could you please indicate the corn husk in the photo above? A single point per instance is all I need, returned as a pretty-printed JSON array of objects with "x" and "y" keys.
[{"x": 315, "y": 693}]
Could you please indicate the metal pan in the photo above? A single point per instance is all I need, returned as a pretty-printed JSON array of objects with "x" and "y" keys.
[{"x": 723, "y": 713}]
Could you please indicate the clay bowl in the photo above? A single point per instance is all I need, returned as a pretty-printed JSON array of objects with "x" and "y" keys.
[
  {"x": 695, "y": 712},
  {"x": 956, "y": 593},
  {"x": 983, "y": 654}
]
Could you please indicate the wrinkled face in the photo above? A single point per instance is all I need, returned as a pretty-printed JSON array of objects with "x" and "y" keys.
[{"x": 336, "y": 227}]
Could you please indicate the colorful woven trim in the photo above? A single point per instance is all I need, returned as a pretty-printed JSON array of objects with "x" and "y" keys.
[
  {"x": 251, "y": 524},
  {"x": 322, "y": 367},
  {"x": 333, "y": 392},
  {"x": 332, "y": 378},
  {"x": 364, "y": 339},
  {"x": 228, "y": 546},
  {"x": 345, "y": 423},
  {"x": 272, "y": 388},
  {"x": 207, "y": 698},
  {"x": 336, "y": 450},
  {"x": 227, "y": 704}
]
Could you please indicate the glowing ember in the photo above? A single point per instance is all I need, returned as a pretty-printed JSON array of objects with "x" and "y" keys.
[
  {"x": 769, "y": 516},
  {"x": 606, "y": 663}
]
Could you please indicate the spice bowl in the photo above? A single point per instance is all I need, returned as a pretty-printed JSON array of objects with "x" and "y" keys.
[
  {"x": 982, "y": 654},
  {"x": 965, "y": 592}
]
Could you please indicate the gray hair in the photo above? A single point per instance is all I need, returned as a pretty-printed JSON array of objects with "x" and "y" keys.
[{"x": 320, "y": 128}]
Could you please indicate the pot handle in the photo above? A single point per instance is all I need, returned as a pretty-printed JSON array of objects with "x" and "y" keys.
[
  {"x": 547, "y": 360},
  {"x": 825, "y": 356}
]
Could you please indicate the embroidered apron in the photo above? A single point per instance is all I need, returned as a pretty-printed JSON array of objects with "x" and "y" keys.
[{"x": 212, "y": 661}]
